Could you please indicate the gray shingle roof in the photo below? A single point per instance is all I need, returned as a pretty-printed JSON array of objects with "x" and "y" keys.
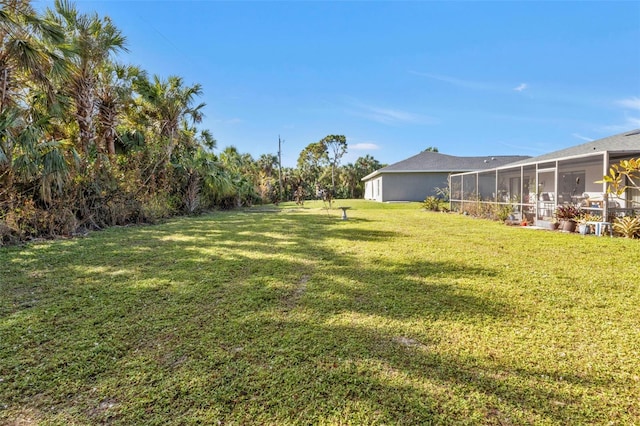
[
  {"x": 428, "y": 161},
  {"x": 622, "y": 142}
]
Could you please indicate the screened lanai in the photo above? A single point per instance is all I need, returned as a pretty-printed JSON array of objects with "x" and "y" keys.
[{"x": 535, "y": 187}]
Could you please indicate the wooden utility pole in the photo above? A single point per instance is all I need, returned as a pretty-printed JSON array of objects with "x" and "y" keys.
[{"x": 280, "y": 167}]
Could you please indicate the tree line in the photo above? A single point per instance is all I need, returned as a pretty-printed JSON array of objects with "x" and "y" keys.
[{"x": 88, "y": 142}]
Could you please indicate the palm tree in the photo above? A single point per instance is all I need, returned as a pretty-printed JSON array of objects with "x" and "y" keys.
[
  {"x": 349, "y": 179},
  {"x": 28, "y": 60},
  {"x": 26, "y": 53},
  {"x": 42, "y": 162},
  {"x": 204, "y": 176},
  {"x": 367, "y": 164},
  {"x": 364, "y": 166},
  {"x": 113, "y": 93},
  {"x": 91, "y": 41},
  {"x": 243, "y": 171},
  {"x": 268, "y": 163},
  {"x": 168, "y": 104}
]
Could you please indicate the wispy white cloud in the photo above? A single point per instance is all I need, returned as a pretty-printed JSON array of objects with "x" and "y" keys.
[
  {"x": 364, "y": 146},
  {"x": 631, "y": 118},
  {"x": 630, "y": 123},
  {"x": 524, "y": 147},
  {"x": 388, "y": 115},
  {"x": 584, "y": 138},
  {"x": 229, "y": 121},
  {"x": 521, "y": 87},
  {"x": 469, "y": 84},
  {"x": 633, "y": 103}
]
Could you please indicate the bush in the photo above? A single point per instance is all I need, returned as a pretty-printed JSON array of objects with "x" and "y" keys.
[
  {"x": 156, "y": 207},
  {"x": 627, "y": 226},
  {"x": 503, "y": 212},
  {"x": 431, "y": 203},
  {"x": 567, "y": 212}
]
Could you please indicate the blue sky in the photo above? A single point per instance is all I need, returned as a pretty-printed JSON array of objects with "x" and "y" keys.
[{"x": 471, "y": 78}]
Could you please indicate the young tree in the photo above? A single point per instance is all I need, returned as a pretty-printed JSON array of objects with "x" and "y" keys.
[
  {"x": 311, "y": 161},
  {"x": 336, "y": 146},
  {"x": 623, "y": 176}
]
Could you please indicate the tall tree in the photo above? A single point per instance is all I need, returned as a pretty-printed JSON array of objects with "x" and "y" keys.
[
  {"x": 27, "y": 51},
  {"x": 349, "y": 179},
  {"x": 336, "y": 146},
  {"x": 243, "y": 171},
  {"x": 367, "y": 164},
  {"x": 169, "y": 103},
  {"x": 267, "y": 165},
  {"x": 364, "y": 166},
  {"x": 311, "y": 161},
  {"x": 28, "y": 59},
  {"x": 113, "y": 93},
  {"x": 91, "y": 41}
]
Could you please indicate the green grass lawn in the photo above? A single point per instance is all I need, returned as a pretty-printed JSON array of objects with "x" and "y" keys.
[{"x": 293, "y": 316}]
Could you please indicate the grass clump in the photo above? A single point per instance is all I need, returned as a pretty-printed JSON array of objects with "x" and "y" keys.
[{"x": 293, "y": 316}]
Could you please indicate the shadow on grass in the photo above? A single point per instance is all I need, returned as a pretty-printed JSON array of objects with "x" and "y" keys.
[{"x": 246, "y": 318}]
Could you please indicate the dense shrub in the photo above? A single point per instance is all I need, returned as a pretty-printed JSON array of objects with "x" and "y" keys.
[
  {"x": 431, "y": 203},
  {"x": 627, "y": 226}
]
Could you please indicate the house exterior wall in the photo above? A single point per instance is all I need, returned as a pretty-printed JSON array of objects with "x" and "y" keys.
[
  {"x": 562, "y": 181},
  {"x": 373, "y": 189},
  {"x": 410, "y": 186}
]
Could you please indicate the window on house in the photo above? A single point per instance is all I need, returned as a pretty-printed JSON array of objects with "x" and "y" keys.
[
  {"x": 514, "y": 190},
  {"x": 571, "y": 186},
  {"x": 633, "y": 198}
]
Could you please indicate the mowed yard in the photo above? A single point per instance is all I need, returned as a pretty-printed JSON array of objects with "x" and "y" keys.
[{"x": 292, "y": 316}]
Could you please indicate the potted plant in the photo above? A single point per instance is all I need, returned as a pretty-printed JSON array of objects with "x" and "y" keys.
[
  {"x": 583, "y": 225},
  {"x": 583, "y": 228},
  {"x": 567, "y": 215}
]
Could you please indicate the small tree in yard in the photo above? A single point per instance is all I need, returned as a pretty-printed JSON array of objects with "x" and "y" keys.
[
  {"x": 622, "y": 176},
  {"x": 336, "y": 146},
  {"x": 311, "y": 162}
]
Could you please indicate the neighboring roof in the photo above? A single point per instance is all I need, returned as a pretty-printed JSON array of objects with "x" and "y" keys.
[
  {"x": 622, "y": 142},
  {"x": 433, "y": 162}
]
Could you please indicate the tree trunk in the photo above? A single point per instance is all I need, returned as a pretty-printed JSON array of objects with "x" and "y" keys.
[
  {"x": 5, "y": 88},
  {"x": 84, "y": 115}
]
